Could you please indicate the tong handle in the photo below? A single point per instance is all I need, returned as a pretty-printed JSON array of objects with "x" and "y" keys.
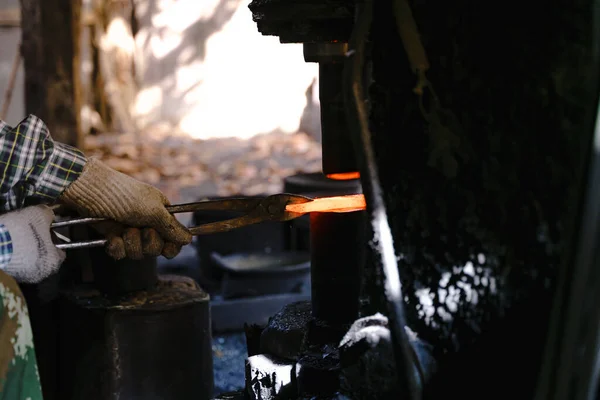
[
  {"x": 82, "y": 245},
  {"x": 235, "y": 204},
  {"x": 76, "y": 221},
  {"x": 270, "y": 208}
]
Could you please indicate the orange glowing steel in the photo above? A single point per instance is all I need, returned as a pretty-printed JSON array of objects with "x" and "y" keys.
[
  {"x": 344, "y": 176},
  {"x": 336, "y": 204}
]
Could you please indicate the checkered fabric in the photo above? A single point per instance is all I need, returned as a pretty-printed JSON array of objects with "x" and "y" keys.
[
  {"x": 6, "y": 247},
  {"x": 34, "y": 167}
]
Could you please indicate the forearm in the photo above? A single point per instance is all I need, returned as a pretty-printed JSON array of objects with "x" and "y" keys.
[{"x": 33, "y": 167}]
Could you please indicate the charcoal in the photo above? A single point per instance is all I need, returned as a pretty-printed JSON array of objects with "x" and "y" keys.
[
  {"x": 317, "y": 374},
  {"x": 368, "y": 366},
  {"x": 284, "y": 335}
]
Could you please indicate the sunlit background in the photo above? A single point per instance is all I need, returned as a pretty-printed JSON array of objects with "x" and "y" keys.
[
  {"x": 201, "y": 69},
  {"x": 207, "y": 72},
  {"x": 192, "y": 98}
]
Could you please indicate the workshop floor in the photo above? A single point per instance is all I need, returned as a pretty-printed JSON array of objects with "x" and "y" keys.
[{"x": 229, "y": 355}]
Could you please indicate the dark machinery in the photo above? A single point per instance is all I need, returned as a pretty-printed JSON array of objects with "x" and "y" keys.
[
  {"x": 314, "y": 365},
  {"x": 474, "y": 191}
]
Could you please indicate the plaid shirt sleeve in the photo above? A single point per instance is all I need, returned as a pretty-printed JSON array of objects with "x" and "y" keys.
[
  {"x": 33, "y": 167},
  {"x": 6, "y": 248}
]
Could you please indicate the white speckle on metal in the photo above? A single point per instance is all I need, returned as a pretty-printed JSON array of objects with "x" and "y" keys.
[{"x": 267, "y": 377}]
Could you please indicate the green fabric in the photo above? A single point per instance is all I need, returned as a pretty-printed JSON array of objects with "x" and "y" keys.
[{"x": 20, "y": 380}]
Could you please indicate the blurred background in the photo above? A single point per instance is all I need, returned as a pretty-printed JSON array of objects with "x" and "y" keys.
[{"x": 186, "y": 95}]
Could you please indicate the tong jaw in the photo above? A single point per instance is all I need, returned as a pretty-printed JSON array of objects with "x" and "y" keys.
[
  {"x": 271, "y": 208},
  {"x": 274, "y": 207}
]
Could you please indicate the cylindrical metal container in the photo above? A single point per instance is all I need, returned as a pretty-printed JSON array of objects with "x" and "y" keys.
[
  {"x": 338, "y": 153},
  {"x": 337, "y": 259},
  {"x": 149, "y": 345},
  {"x": 123, "y": 276}
]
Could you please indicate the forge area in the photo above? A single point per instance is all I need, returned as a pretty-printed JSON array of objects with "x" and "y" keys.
[{"x": 390, "y": 199}]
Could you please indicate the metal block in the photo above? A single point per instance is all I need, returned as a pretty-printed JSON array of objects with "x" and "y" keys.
[
  {"x": 148, "y": 345},
  {"x": 284, "y": 335},
  {"x": 317, "y": 374},
  {"x": 268, "y": 377}
]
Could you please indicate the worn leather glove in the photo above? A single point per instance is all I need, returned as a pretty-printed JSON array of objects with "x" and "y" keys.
[
  {"x": 34, "y": 257},
  {"x": 102, "y": 192}
]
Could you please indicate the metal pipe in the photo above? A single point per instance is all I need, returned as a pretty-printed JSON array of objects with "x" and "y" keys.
[
  {"x": 566, "y": 371},
  {"x": 337, "y": 244},
  {"x": 338, "y": 155},
  {"x": 382, "y": 243}
]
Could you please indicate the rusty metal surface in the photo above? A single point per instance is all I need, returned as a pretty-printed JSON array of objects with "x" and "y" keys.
[
  {"x": 271, "y": 208},
  {"x": 152, "y": 344},
  {"x": 170, "y": 291}
]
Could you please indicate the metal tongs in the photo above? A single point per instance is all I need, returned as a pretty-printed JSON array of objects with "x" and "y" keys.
[{"x": 271, "y": 208}]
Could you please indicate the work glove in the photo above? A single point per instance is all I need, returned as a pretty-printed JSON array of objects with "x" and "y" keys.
[
  {"x": 34, "y": 256},
  {"x": 142, "y": 225}
]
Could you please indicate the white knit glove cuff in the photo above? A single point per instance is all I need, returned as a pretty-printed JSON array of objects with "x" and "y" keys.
[{"x": 35, "y": 257}]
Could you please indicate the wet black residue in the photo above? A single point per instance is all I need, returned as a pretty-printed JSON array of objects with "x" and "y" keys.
[{"x": 327, "y": 360}]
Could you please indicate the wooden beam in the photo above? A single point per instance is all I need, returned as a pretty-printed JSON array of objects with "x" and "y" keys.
[
  {"x": 11, "y": 17},
  {"x": 50, "y": 50}
]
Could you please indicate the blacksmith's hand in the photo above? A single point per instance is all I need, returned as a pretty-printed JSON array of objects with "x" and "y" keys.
[
  {"x": 34, "y": 255},
  {"x": 144, "y": 226}
]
